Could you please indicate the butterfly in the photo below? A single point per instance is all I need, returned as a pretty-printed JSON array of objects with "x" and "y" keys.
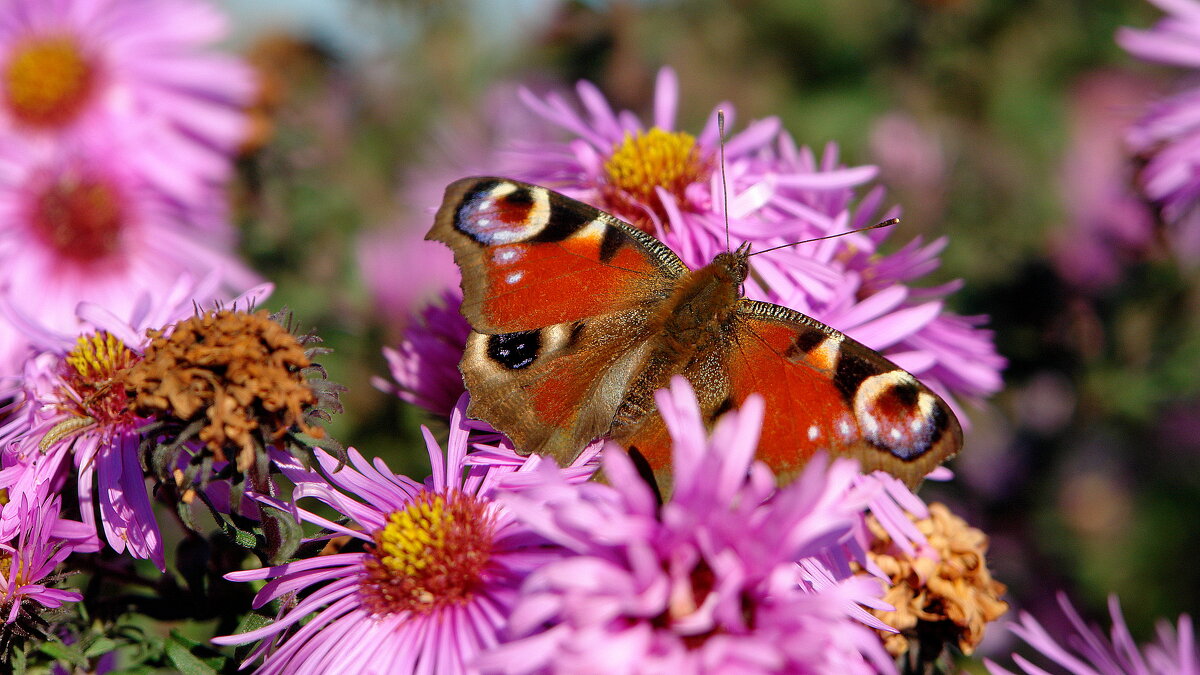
[{"x": 578, "y": 317}]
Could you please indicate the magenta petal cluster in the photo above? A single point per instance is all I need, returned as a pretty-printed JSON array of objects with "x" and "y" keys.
[
  {"x": 425, "y": 365},
  {"x": 1088, "y": 651},
  {"x": 778, "y": 193},
  {"x": 1168, "y": 135},
  {"x": 362, "y": 612},
  {"x": 41, "y": 542},
  {"x": 730, "y": 575}
]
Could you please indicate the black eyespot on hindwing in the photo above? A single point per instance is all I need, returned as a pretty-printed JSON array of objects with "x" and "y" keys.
[{"x": 515, "y": 350}]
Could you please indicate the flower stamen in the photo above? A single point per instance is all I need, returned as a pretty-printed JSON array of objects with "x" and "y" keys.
[
  {"x": 646, "y": 161},
  {"x": 433, "y": 554},
  {"x": 93, "y": 374},
  {"x": 47, "y": 82},
  {"x": 80, "y": 218}
]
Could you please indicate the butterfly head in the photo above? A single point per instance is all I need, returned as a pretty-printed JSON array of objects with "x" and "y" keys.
[{"x": 736, "y": 264}]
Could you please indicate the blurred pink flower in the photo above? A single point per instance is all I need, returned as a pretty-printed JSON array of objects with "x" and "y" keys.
[
  {"x": 1167, "y": 136},
  {"x": 912, "y": 162},
  {"x": 138, "y": 73},
  {"x": 1088, "y": 651},
  {"x": 730, "y": 575},
  {"x": 79, "y": 225},
  {"x": 29, "y": 555},
  {"x": 400, "y": 268},
  {"x": 1108, "y": 224},
  {"x": 435, "y": 584}
]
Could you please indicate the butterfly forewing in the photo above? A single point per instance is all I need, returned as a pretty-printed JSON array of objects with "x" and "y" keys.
[{"x": 533, "y": 258}]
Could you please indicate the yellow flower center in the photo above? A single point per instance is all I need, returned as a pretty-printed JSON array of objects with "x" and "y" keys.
[
  {"x": 433, "y": 554},
  {"x": 94, "y": 377},
  {"x": 79, "y": 217},
  {"x": 6, "y": 567},
  {"x": 646, "y": 161},
  {"x": 48, "y": 81}
]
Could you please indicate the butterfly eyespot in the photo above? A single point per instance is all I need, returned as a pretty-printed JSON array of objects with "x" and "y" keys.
[
  {"x": 500, "y": 212},
  {"x": 515, "y": 350},
  {"x": 895, "y": 414}
]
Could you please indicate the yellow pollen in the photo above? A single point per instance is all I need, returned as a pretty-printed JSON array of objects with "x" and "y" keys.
[
  {"x": 409, "y": 533},
  {"x": 431, "y": 554},
  {"x": 99, "y": 355},
  {"x": 47, "y": 81},
  {"x": 649, "y": 160},
  {"x": 94, "y": 376}
]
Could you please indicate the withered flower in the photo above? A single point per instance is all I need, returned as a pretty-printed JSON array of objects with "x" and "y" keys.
[
  {"x": 944, "y": 594},
  {"x": 237, "y": 378}
]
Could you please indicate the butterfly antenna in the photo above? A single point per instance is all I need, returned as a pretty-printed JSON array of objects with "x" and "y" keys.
[
  {"x": 887, "y": 223},
  {"x": 724, "y": 188}
]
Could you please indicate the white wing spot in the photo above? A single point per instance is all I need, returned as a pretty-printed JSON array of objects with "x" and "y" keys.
[
  {"x": 506, "y": 254},
  {"x": 514, "y": 277},
  {"x": 813, "y": 433},
  {"x": 844, "y": 428}
]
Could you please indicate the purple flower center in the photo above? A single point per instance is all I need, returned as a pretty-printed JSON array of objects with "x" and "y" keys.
[
  {"x": 433, "y": 554},
  {"x": 644, "y": 162},
  {"x": 48, "y": 81},
  {"x": 79, "y": 217}
]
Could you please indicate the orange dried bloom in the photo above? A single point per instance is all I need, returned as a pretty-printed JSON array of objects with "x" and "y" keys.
[
  {"x": 239, "y": 372},
  {"x": 946, "y": 593}
]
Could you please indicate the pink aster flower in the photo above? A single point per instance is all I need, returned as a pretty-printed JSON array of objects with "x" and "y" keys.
[
  {"x": 1168, "y": 134},
  {"x": 137, "y": 72},
  {"x": 668, "y": 182},
  {"x": 730, "y": 575},
  {"x": 79, "y": 225},
  {"x": 30, "y": 554},
  {"x": 1088, "y": 651},
  {"x": 433, "y": 586},
  {"x": 72, "y": 416},
  {"x": 425, "y": 366}
]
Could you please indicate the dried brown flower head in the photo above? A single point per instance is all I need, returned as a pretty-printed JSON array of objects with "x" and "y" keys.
[
  {"x": 945, "y": 593},
  {"x": 239, "y": 373}
]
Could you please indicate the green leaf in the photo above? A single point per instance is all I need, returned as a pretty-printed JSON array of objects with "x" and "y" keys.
[
  {"x": 179, "y": 653},
  {"x": 69, "y": 653},
  {"x": 283, "y": 533},
  {"x": 100, "y": 647}
]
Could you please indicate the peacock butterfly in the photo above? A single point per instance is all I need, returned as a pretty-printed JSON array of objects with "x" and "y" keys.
[{"x": 578, "y": 318}]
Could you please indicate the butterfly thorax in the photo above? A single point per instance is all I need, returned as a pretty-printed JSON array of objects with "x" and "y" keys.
[{"x": 704, "y": 301}]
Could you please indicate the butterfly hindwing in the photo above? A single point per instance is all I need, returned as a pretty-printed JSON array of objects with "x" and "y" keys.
[
  {"x": 825, "y": 391},
  {"x": 533, "y": 258},
  {"x": 554, "y": 389}
]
